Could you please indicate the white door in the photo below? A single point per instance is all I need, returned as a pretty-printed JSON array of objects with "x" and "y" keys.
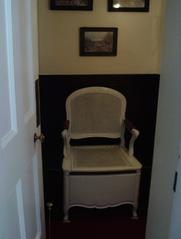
[
  {"x": 21, "y": 190},
  {"x": 168, "y": 129}
]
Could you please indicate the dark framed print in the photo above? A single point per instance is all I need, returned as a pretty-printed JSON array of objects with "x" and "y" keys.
[
  {"x": 71, "y": 5},
  {"x": 98, "y": 41},
  {"x": 128, "y": 5}
]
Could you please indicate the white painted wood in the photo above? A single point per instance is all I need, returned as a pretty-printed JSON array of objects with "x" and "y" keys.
[
  {"x": 21, "y": 188},
  {"x": 7, "y": 138},
  {"x": 101, "y": 191},
  {"x": 176, "y": 209},
  {"x": 39, "y": 196},
  {"x": 20, "y": 209},
  {"x": 7, "y": 108},
  {"x": 101, "y": 113},
  {"x": 10, "y": 55},
  {"x": 98, "y": 190},
  {"x": 38, "y": 236},
  {"x": 168, "y": 129},
  {"x": 135, "y": 134}
]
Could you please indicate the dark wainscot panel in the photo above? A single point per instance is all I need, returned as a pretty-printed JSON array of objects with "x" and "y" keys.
[{"x": 141, "y": 92}]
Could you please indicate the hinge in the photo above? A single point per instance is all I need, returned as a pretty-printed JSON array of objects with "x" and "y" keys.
[{"x": 175, "y": 182}]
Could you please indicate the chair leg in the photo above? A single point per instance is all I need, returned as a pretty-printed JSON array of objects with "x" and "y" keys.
[
  {"x": 66, "y": 197},
  {"x": 134, "y": 213},
  {"x": 66, "y": 216}
]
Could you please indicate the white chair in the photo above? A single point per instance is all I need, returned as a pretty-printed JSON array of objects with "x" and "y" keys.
[{"x": 99, "y": 176}]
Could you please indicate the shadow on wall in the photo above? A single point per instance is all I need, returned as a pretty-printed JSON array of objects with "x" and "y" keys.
[{"x": 141, "y": 92}]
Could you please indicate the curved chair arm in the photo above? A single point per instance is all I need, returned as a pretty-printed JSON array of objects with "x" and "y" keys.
[
  {"x": 135, "y": 133},
  {"x": 65, "y": 141}
]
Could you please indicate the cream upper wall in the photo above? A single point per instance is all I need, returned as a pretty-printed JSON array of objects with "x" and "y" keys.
[{"x": 138, "y": 40}]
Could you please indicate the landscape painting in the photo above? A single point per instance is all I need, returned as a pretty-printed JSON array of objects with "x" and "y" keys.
[
  {"x": 71, "y": 4},
  {"x": 98, "y": 41}
]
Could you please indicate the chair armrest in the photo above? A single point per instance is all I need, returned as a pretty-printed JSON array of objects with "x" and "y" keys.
[
  {"x": 65, "y": 138},
  {"x": 65, "y": 141},
  {"x": 135, "y": 133}
]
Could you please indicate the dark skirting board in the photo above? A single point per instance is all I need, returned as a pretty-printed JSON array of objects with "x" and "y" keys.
[{"x": 141, "y": 92}]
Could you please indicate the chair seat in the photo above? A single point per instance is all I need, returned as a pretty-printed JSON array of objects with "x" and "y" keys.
[{"x": 101, "y": 159}]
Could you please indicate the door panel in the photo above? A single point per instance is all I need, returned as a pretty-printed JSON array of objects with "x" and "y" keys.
[
  {"x": 23, "y": 52},
  {"x": 21, "y": 191},
  {"x": 20, "y": 206},
  {"x": 7, "y": 89}
]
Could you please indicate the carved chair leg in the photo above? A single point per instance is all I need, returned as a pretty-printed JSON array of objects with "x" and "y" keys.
[
  {"x": 66, "y": 216},
  {"x": 134, "y": 213},
  {"x": 66, "y": 197}
]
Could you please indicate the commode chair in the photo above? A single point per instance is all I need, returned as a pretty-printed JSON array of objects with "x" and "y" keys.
[{"x": 99, "y": 176}]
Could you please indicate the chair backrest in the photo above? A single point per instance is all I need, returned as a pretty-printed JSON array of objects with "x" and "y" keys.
[{"x": 95, "y": 112}]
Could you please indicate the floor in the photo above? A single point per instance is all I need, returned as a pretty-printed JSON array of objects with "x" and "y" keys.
[{"x": 95, "y": 223}]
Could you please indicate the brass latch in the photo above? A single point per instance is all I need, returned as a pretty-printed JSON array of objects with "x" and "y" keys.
[{"x": 40, "y": 137}]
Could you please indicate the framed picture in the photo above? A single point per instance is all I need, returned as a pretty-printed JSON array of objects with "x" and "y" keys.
[
  {"x": 71, "y": 4},
  {"x": 128, "y": 5},
  {"x": 98, "y": 41}
]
